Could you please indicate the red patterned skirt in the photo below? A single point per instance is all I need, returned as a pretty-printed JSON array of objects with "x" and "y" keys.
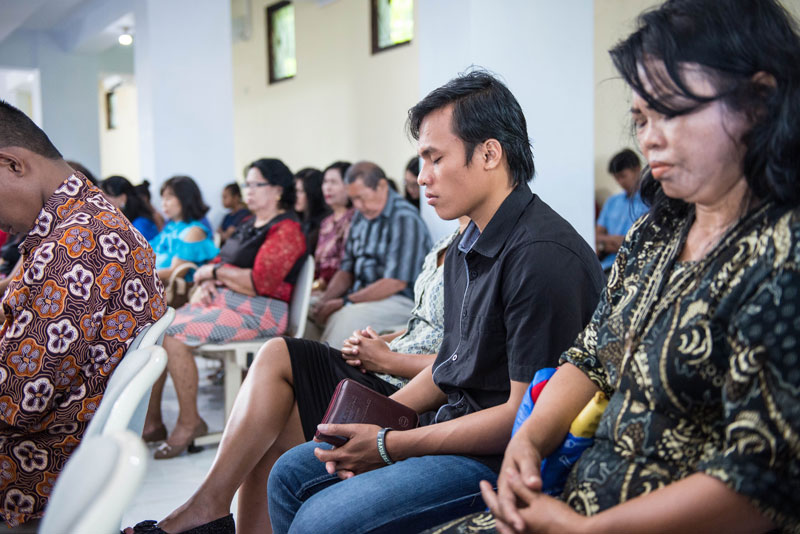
[{"x": 231, "y": 316}]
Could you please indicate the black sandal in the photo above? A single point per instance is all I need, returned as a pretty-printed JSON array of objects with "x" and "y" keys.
[{"x": 223, "y": 525}]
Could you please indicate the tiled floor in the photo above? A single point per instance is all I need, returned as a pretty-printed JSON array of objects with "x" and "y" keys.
[{"x": 170, "y": 482}]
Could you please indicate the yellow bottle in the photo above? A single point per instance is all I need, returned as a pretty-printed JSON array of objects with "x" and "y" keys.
[{"x": 585, "y": 424}]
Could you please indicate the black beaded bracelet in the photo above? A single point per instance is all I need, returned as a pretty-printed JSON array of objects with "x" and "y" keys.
[
  {"x": 382, "y": 446},
  {"x": 214, "y": 270}
]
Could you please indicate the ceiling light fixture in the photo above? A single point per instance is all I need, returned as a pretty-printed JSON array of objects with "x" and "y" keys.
[{"x": 125, "y": 39}]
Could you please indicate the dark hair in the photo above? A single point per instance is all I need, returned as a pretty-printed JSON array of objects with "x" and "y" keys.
[
  {"x": 17, "y": 129},
  {"x": 83, "y": 170},
  {"x": 624, "y": 160},
  {"x": 315, "y": 200},
  {"x": 483, "y": 108},
  {"x": 277, "y": 173},
  {"x": 233, "y": 189},
  {"x": 340, "y": 166},
  {"x": 413, "y": 166},
  {"x": 143, "y": 190},
  {"x": 134, "y": 207},
  {"x": 188, "y": 194},
  {"x": 367, "y": 172},
  {"x": 732, "y": 40}
]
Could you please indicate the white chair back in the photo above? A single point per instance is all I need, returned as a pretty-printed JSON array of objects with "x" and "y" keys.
[
  {"x": 96, "y": 486},
  {"x": 301, "y": 299},
  {"x": 127, "y": 393},
  {"x": 155, "y": 334},
  {"x": 125, "y": 382}
]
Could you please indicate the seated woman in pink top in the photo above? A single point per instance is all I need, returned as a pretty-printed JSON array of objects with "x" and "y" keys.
[{"x": 333, "y": 229}]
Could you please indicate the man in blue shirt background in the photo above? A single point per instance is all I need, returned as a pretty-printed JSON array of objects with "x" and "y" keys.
[{"x": 621, "y": 210}]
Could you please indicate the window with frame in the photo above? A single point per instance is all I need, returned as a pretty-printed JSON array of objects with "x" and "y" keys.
[
  {"x": 282, "y": 63},
  {"x": 392, "y": 23},
  {"x": 111, "y": 110}
]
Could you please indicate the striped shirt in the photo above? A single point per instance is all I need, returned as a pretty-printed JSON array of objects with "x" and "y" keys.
[{"x": 392, "y": 245}]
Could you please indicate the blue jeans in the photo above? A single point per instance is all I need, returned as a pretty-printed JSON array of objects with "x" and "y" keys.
[{"x": 408, "y": 496}]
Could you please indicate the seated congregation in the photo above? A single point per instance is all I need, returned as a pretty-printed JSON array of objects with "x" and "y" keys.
[{"x": 689, "y": 334}]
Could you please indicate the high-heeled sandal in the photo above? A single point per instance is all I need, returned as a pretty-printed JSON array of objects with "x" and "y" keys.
[
  {"x": 166, "y": 451},
  {"x": 223, "y": 525},
  {"x": 157, "y": 434}
]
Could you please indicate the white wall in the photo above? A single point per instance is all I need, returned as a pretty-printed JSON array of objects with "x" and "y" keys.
[
  {"x": 548, "y": 69},
  {"x": 119, "y": 147},
  {"x": 182, "y": 61},
  {"x": 67, "y": 90},
  {"x": 21, "y": 89},
  {"x": 344, "y": 103}
]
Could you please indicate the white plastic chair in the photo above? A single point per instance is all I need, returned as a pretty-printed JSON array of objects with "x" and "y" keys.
[
  {"x": 96, "y": 486},
  {"x": 238, "y": 355},
  {"x": 125, "y": 400},
  {"x": 127, "y": 393},
  {"x": 155, "y": 334}
]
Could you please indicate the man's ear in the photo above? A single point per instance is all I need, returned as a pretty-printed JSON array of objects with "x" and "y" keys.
[
  {"x": 491, "y": 154},
  {"x": 12, "y": 162}
]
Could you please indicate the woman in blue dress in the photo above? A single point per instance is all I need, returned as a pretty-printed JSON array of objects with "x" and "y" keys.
[{"x": 184, "y": 238}]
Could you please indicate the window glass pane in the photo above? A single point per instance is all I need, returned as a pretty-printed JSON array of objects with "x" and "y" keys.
[
  {"x": 395, "y": 22},
  {"x": 284, "y": 63}
]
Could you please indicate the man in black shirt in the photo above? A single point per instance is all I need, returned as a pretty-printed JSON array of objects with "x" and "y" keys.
[{"x": 519, "y": 287}]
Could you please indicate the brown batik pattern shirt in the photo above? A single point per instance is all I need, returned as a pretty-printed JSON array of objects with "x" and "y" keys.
[{"x": 86, "y": 288}]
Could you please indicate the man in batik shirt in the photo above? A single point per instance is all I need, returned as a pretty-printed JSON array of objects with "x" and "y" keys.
[{"x": 86, "y": 288}]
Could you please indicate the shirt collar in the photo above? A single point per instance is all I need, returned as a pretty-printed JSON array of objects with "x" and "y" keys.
[
  {"x": 489, "y": 242},
  {"x": 73, "y": 187},
  {"x": 391, "y": 199}
]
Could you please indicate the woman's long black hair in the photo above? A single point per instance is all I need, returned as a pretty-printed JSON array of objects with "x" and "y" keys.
[
  {"x": 134, "y": 207},
  {"x": 316, "y": 208},
  {"x": 732, "y": 41}
]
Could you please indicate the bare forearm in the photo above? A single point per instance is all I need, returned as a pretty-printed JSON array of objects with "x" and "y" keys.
[
  {"x": 698, "y": 503},
  {"x": 479, "y": 433},
  {"x": 225, "y": 234},
  {"x": 378, "y": 290},
  {"x": 421, "y": 393},
  {"x": 389, "y": 337},
  {"x": 611, "y": 243},
  {"x": 406, "y": 365},
  {"x": 561, "y": 400},
  {"x": 338, "y": 285},
  {"x": 236, "y": 279}
]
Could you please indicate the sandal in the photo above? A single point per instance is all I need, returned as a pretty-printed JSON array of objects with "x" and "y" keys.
[
  {"x": 166, "y": 451},
  {"x": 157, "y": 434},
  {"x": 223, "y": 525}
]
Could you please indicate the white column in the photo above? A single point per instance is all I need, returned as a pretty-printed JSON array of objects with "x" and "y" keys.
[{"x": 183, "y": 68}]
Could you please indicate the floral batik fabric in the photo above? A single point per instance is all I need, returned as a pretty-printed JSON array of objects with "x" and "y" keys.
[
  {"x": 700, "y": 361},
  {"x": 86, "y": 288}
]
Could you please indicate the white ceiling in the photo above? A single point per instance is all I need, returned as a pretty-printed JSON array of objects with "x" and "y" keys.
[{"x": 60, "y": 17}]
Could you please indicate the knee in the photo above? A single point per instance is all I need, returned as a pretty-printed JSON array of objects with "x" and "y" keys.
[
  {"x": 284, "y": 474},
  {"x": 272, "y": 354},
  {"x": 297, "y": 474},
  {"x": 175, "y": 348}
]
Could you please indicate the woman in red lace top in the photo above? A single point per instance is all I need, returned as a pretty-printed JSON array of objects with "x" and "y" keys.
[{"x": 242, "y": 295}]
